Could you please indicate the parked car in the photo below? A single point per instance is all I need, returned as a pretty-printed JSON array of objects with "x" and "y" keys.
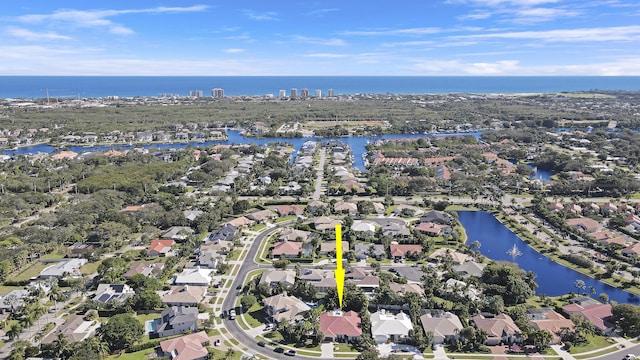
[
  {"x": 290, "y": 352},
  {"x": 279, "y": 350},
  {"x": 261, "y": 344},
  {"x": 629, "y": 357},
  {"x": 232, "y": 314}
]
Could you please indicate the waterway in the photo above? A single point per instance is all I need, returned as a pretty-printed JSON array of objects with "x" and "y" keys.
[
  {"x": 357, "y": 143},
  {"x": 553, "y": 279}
]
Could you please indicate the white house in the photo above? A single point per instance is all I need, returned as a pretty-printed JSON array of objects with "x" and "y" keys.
[
  {"x": 196, "y": 276},
  {"x": 386, "y": 326}
]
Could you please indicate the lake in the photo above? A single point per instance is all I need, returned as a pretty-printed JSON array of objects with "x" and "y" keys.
[{"x": 553, "y": 279}]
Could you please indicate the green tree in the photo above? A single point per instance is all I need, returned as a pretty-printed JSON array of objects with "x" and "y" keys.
[
  {"x": 121, "y": 332},
  {"x": 146, "y": 300},
  {"x": 627, "y": 317},
  {"x": 248, "y": 301}
]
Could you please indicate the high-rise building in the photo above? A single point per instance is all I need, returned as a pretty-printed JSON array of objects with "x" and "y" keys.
[
  {"x": 196, "y": 93},
  {"x": 331, "y": 93},
  {"x": 217, "y": 93},
  {"x": 283, "y": 93},
  {"x": 294, "y": 93},
  {"x": 304, "y": 92},
  {"x": 318, "y": 93}
]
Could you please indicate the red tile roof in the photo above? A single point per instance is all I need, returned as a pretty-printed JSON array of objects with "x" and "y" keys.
[
  {"x": 336, "y": 324},
  {"x": 160, "y": 245},
  {"x": 403, "y": 249},
  {"x": 186, "y": 347}
]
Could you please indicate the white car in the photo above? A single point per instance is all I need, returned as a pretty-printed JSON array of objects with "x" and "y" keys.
[{"x": 629, "y": 357}]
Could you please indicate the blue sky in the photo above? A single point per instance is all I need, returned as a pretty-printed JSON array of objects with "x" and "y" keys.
[{"x": 403, "y": 37}]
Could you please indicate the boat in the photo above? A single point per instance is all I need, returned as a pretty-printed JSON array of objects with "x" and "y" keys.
[{"x": 514, "y": 251}]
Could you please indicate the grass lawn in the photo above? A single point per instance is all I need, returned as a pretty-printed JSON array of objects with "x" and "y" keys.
[
  {"x": 32, "y": 271},
  {"x": 219, "y": 354},
  {"x": 597, "y": 353},
  {"x": 255, "y": 317},
  {"x": 593, "y": 343},
  {"x": 258, "y": 227},
  {"x": 139, "y": 355},
  {"x": 286, "y": 218},
  {"x": 146, "y": 317},
  {"x": 235, "y": 255},
  {"x": 346, "y": 356},
  {"x": 90, "y": 268},
  {"x": 343, "y": 348},
  {"x": 5, "y": 289},
  {"x": 53, "y": 256}
]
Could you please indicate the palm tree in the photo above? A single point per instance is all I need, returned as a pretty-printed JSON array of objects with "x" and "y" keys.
[
  {"x": 60, "y": 345},
  {"x": 580, "y": 285},
  {"x": 14, "y": 331}
]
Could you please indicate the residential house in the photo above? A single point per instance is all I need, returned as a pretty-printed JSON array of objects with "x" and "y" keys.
[
  {"x": 403, "y": 289},
  {"x": 437, "y": 217},
  {"x": 366, "y": 250},
  {"x": 322, "y": 280},
  {"x": 392, "y": 229},
  {"x": 275, "y": 276},
  {"x": 160, "y": 248},
  {"x": 282, "y": 307},
  {"x": 209, "y": 258},
  {"x": 462, "y": 289},
  {"x": 184, "y": 295},
  {"x": 597, "y": 314},
  {"x": 144, "y": 268},
  {"x": 113, "y": 293},
  {"x": 632, "y": 250},
  {"x": 289, "y": 234},
  {"x": 364, "y": 279},
  {"x": 430, "y": 228},
  {"x": 286, "y": 249},
  {"x": 192, "y": 215},
  {"x": 262, "y": 216},
  {"x": 584, "y": 224},
  {"x": 242, "y": 221},
  {"x": 187, "y": 347},
  {"x": 574, "y": 208},
  {"x": 178, "y": 233},
  {"x": 176, "y": 320},
  {"x": 444, "y": 326},
  {"x": 79, "y": 249},
  {"x": 196, "y": 276},
  {"x": 379, "y": 207},
  {"x": 285, "y": 210},
  {"x": 614, "y": 242},
  {"x": 316, "y": 206},
  {"x": 363, "y": 227},
  {"x": 555, "y": 207},
  {"x": 341, "y": 327},
  {"x": 400, "y": 251},
  {"x": 63, "y": 269},
  {"x": 325, "y": 223},
  {"x": 74, "y": 329},
  {"x": 500, "y": 329},
  {"x": 442, "y": 253},
  {"x": 330, "y": 247},
  {"x": 549, "y": 320},
  {"x": 13, "y": 300},
  {"x": 408, "y": 210},
  {"x": 226, "y": 233},
  {"x": 470, "y": 268},
  {"x": 389, "y": 327},
  {"x": 343, "y": 207}
]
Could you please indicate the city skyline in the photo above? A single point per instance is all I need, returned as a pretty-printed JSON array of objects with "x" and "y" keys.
[{"x": 421, "y": 38}]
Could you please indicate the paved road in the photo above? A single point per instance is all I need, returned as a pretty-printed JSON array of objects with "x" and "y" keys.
[{"x": 618, "y": 355}]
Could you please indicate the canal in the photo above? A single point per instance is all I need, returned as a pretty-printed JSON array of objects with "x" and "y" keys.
[{"x": 553, "y": 279}]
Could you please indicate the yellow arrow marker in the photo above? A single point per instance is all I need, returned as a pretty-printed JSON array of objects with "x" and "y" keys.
[{"x": 339, "y": 272}]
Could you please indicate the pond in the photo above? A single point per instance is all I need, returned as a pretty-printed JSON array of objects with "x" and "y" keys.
[{"x": 553, "y": 279}]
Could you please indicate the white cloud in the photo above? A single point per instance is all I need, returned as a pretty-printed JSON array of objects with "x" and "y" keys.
[
  {"x": 395, "y": 32},
  {"x": 266, "y": 16},
  {"x": 535, "y": 15},
  {"x": 233, "y": 51},
  {"x": 477, "y": 15},
  {"x": 409, "y": 43},
  {"x": 99, "y": 18},
  {"x": 319, "y": 41},
  {"x": 616, "y": 33},
  {"x": 29, "y": 35}
]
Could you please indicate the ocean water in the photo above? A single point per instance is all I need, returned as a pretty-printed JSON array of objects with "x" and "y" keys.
[{"x": 128, "y": 86}]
